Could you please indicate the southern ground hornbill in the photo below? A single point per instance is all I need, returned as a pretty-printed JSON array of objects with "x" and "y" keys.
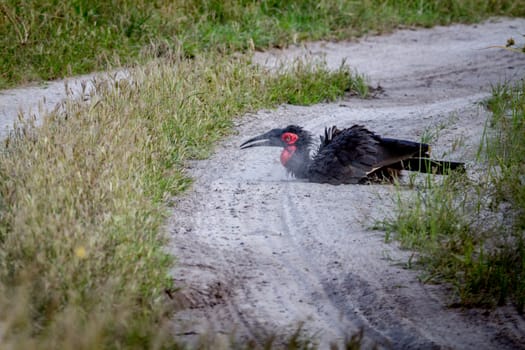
[{"x": 353, "y": 155}]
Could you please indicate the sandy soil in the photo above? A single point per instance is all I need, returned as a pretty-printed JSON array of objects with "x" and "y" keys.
[{"x": 259, "y": 252}]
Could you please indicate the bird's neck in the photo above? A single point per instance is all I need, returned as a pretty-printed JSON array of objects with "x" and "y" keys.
[
  {"x": 287, "y": 154},
  {"x": 296, "y": 160}
]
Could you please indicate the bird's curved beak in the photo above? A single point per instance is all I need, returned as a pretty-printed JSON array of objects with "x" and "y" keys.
[{"x": 271, "y": 138}]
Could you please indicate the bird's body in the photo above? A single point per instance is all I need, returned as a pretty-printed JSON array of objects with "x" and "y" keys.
[{"x": 349, "y": 156}]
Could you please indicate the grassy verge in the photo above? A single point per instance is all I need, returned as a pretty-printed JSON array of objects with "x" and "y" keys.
[
  {"x": 472, "y": 233},
  {"x": 45, "y": 39},
  {"x": 82, "y": 197}
]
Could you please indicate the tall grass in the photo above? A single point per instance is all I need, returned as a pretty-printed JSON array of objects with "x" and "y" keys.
[
  {"x": 47, "y": 39},
  {"x": 472, "y": 234},
  {"x": 82, "y": 263},
  {"x": 506, "y": 148}
]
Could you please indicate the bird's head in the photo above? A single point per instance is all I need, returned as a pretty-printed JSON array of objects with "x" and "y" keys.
[
  {"x": 293, "y": 139},
  {"x": 278, "y": 137}
]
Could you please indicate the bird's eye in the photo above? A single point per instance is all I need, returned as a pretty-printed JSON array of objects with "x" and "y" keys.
[{"x": 289, "y": 138}]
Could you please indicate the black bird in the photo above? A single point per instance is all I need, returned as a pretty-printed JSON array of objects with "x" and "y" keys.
[{"x": 353, "y": 155}]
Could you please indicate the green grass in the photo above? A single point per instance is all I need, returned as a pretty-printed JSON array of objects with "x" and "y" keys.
[
  {"x": 82, "y": 198},
  {"x": 45, "y": 39},
  {"x": 472, "y": 234}
]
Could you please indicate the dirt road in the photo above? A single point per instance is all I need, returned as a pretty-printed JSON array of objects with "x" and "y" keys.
[
  {"x": 38, "y": 99},
  {"x": 258, "y": 252}
]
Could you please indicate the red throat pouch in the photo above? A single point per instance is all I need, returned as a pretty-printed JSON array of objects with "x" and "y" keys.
[{"x": 287, "y": 153}]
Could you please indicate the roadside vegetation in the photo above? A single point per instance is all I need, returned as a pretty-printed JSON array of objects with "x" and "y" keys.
[
  {"x": 82, "y": 197},
  {"x": 471, "y": 232},
  {"x": 45, "y": 39}
]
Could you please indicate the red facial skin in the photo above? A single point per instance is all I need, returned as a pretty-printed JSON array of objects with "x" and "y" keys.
[{"x": 287, "y": 153}]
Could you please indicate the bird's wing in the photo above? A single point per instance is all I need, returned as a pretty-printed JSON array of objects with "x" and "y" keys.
[
  {"x": 361, "y": 147},
  {"x": 350, "y": 154},
  {"x": 357, "y": 147},
  {"x": 394, "y": 150},
  {"x": 345, "y": 156}
]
